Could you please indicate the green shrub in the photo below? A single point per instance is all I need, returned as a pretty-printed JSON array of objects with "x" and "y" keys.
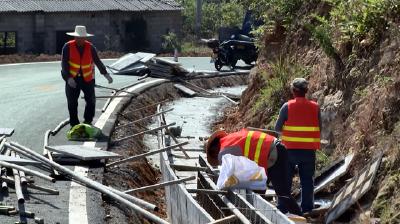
[
  {"x": 170, "y": 42},
  {"x": 278, "y": 77},
  {"x": 322, "y": 34}
]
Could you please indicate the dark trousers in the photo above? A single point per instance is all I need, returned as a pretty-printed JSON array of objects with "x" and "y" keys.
[
  {"x": 304, "y": 159},
  {"x": 72, "y": 100},
  {"x": 278, "y": 175}
]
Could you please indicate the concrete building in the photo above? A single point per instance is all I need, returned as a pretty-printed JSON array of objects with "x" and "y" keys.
[{"x": 39, "y": 26}]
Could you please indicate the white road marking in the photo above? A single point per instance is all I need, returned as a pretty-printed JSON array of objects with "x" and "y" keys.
[{"x": 77, "y": 196}]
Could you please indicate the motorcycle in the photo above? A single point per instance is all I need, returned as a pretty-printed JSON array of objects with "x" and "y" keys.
[{"x": 228, "y": 52}]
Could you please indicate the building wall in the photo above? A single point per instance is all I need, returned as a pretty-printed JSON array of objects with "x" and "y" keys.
[
  {"x": 37, "y": 31},
  {"x": 21, "y": 23}
]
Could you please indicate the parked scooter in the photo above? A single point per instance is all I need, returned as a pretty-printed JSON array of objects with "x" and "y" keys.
[{"x": 228, "y": 52}]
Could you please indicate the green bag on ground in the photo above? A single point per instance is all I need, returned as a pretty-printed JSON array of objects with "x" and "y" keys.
[{"x": 84, "y": 132}]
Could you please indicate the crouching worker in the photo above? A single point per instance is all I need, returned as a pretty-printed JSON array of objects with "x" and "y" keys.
[{"x": 263, "y": 149}]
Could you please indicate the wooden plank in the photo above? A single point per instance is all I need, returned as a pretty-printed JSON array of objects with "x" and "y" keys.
[
  {"x": 83, "y": 152},
  {"x": 185, "y": 90},
  {"x": 6, "y": 131},
  {"x": 17, "y": 161}
]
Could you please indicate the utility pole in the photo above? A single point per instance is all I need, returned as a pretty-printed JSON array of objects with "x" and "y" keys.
[{"x": 197, "y": 27}]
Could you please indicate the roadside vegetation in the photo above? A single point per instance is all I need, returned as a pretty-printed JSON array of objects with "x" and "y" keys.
[{"x": 349, "y": 51}]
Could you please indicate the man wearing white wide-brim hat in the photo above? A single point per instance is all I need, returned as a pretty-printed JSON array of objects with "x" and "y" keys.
[{"x": 78, "y": 59}]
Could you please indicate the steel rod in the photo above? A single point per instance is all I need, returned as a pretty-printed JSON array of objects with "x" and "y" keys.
[
  {"x": 225, "y": 220},
  {"x": 135, "y": 157},
  {"x": 188, "y": 168},
  {"x": 47, "y": 152},
  {"x": 93, "y": 184},
  {"x": 145, "y": 107},
  {"x": 190, "y": 150},
  {"x": 60, "y": 126},
  {"x": 115, "y": 90},
  {"x": 26, "y": 170},
  {"x": 272, "y": 132},
  {"x": 108, "y": 102},
  {"x": 133, "y": 84},
  {"x": 31, "y": 185},
  {"x": 144, "y": 132},
  {"x": 116, "y": 96},
  {"x": 206, "y": 191},
  {"x": 156, "y": 186},
  {"x": 17, "y": 183},
  {"x": 176, "y": 141},
  {"x": 143, "y": 118}
]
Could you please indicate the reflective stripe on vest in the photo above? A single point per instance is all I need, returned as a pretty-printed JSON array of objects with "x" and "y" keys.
[
  {"x": 254, "y": 145},
  {"x": 81, "y": 63},
  {"x": 301, "y": 130}
]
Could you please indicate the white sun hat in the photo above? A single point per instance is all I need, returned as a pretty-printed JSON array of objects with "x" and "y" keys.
[{"x": 80, "y": 31}]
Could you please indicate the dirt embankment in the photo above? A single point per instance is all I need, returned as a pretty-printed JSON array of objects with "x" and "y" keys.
[
  {"x": 140, "y": 173},
  {"x": 358, "y": 90}
]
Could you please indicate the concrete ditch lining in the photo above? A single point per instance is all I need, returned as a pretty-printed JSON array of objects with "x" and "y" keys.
[{"x": 97, "y": 173}]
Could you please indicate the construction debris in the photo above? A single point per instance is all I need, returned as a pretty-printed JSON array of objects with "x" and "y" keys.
[
  {"x": 82, "y": 152},
  {"x": 354, "y": 190},
  {"x": 6, "y": 132}
]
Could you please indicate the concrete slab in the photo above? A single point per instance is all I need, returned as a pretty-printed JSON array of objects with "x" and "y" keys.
[
  {"x": 185, "y": 90},
  {"x": 17, "y": 161},
  {"x": 83, "y": 152},
  {"x": 145, "y": 56},
  {"x": 6, "y": 131}
]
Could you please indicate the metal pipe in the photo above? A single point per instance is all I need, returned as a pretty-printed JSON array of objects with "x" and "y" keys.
[
  {"x": 144, "y": 132},
  {"x": 176, "y": 141},
  {"x": 108, "y": 102},
  {"x": 135, "y": 200},
  {"x": 135, "y": 157},
  {"x": 156, "y": 186},
  {"x": 33, "y": 186},
  {"x": 145, "y": 107},
  {"x": 134, "y": 84},
  {"x": 26, "y": 170},
  {"x": 271, "y": 132},
  {"x": 188, "y": 168},
  {"x": 17, "y": 183},
  {"x": 225, "y": 220},
  {"x": 60, "y": 126},
  {"x": 22, "y": 176},
  {"x": 144, "y": 118},
  {"x": 47, "y": 152},
  {"x": 112, "y": 97},
  {"x": 115, "y": 90},
  {"x": 206, "y": 191},
  {"x": 93, "y": 184},
  {"x": 2, "y": 141}
]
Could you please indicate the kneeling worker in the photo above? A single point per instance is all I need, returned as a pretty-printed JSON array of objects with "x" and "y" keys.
[{"x": 263, "y": 149}]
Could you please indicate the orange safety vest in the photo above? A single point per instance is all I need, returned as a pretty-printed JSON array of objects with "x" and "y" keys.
[
  {"x": 301, "y": 130},
  {"x": 255, "y": 145},
  {"x": 78, "y": 63}
]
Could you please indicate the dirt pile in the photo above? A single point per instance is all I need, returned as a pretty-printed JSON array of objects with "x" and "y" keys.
[{"x": 357, "y": 88}]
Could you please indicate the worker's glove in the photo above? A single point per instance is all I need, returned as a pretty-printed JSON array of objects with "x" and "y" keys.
[
  {"x": 71, "y": 82},
  {"x": 108, "y": 77}
]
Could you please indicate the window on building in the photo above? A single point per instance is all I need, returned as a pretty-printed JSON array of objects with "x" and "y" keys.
[{"x": 8, "y": 42}]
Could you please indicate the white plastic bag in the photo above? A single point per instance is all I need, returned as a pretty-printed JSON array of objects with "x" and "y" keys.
[{"x": 241, "y": 172}]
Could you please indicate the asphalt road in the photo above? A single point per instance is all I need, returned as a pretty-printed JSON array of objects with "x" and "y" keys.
[{"x": 32, "y": 97}]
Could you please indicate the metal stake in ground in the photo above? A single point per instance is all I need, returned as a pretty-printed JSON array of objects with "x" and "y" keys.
[
  {"x": 91, "y": 183},
  {"x": 144, "y": 132},
  {"x": 136, "y": 157},
  {"x": 144, "y": 118},
  {"x": 156, "y": 186}
]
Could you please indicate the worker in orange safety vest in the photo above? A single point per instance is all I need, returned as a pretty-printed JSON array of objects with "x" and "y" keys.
[
  {"x": 265, "y": 150},
  {"x": 78, "y": 59},
  {"x": 300, "y": 123}
]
